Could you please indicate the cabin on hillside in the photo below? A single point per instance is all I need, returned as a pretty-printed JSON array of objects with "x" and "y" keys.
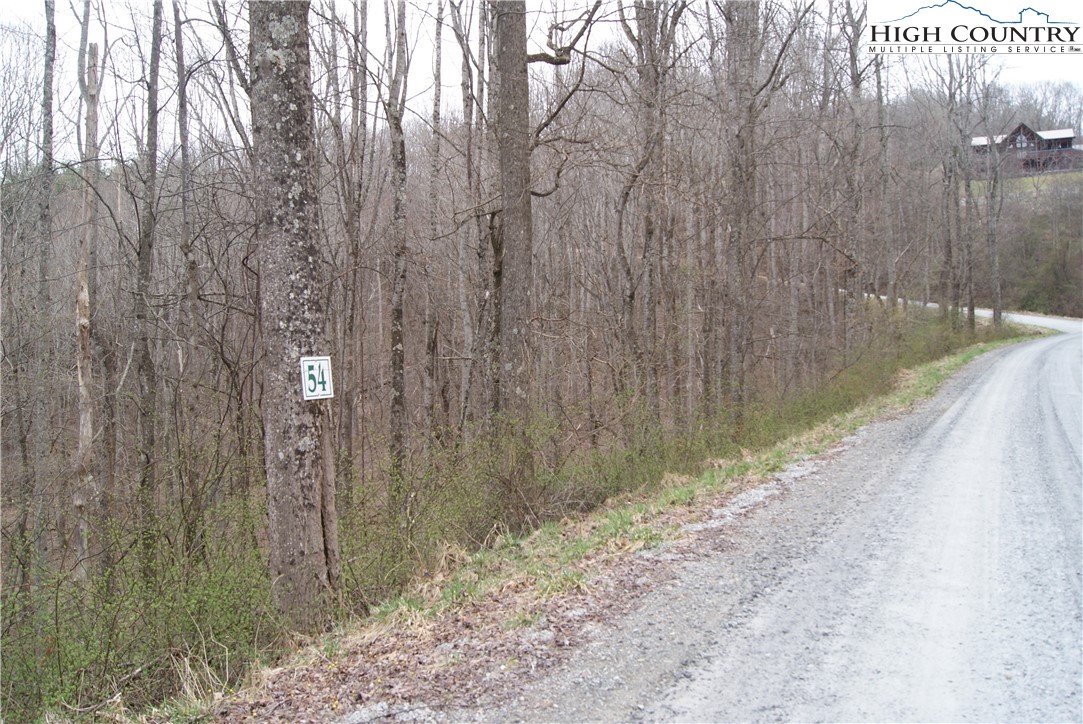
[{"x": 1025, "y": 151}]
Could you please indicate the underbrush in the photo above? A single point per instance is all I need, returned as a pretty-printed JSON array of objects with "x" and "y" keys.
[
  {"x": 190, "y": 631},
  {"x": 130, "y": 637}
]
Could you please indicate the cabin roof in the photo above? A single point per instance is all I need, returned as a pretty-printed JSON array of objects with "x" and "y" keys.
[
  {"x": 1022, "y": 128},
  {"x": 1057, "y": 134}
]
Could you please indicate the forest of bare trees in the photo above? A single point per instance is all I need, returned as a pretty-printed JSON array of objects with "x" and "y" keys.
[{"x": 572, "y": 242}]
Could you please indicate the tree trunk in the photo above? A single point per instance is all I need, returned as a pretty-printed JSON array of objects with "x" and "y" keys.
[
  {"x": 146, "y": 373},
  {"x": 968, "y": 248},
  {"x": 188, "y": 385},
  {"x": 395, "y": 107},
  {"x": 513, "y": 134},
  {"x": 301, "y": 512},
  {"x": 85, "y": 489},
  {"x": 467, "y": 322},
  {"x": 45, "y": 209},
  {"x": 428, "y": 395},
  {"x": 653, "y": 38},
  {"x": 39, "y": 442},
  {"x": 354, "y": 363},
  {"x": 743, "y": 25},
  {"x": 994, "y": 202},
  {"x": 104, "y": 344},
  {"x": 854, "y": 183}
]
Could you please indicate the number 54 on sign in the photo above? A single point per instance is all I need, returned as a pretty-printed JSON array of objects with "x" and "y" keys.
[{"x": 316, "y": 383}]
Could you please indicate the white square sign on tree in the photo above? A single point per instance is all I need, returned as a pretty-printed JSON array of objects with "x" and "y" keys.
[{"x": 316, "y": 383}]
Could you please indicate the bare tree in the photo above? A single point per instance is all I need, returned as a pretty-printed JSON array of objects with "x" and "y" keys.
[
  {"x": 146, "y": 372},
  {"x": 40, "y": 407},
  {"x": 431, "y": 324},
  {"x": 22, "y": 363},
  {"x": 654, "y": 40},
  {"x": 853, "y": 28},
  {"x": 952, "y": 165},
  {"x": 395, "y": 107},
  {"x": 48, "y": 163},
  {"x": 755, "y": 73},
  {"x": 187, "y": 377},
  {"x": 303, "y": 532},
  {"x": 85, "y": 486},
  {"x": 471, "y": 108},
  {"x": 989, "y": 172},
  {"x": 515, "y": 246}
]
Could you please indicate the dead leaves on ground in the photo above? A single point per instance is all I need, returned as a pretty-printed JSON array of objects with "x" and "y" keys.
[{"x": 474, "y": 650}]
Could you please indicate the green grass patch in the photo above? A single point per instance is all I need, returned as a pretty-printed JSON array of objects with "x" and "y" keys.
[
  {"x": 555, "y": 583},
  {"x": 1036, "y": 184}
]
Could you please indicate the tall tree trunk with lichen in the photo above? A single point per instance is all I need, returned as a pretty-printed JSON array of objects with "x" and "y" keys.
[
  {"x": 395, "y": 107},
  {"x": 302, "y": 524}
]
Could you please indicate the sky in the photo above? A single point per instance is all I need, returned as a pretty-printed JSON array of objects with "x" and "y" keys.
[
  {"x": 1015, "y": 69},
  {"x": 1021, "y": 70}
]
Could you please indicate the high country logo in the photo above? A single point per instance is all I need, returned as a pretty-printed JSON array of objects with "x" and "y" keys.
[{"x": 956, "y": 27}]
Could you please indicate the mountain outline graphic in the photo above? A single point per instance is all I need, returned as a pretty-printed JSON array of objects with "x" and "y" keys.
[{"x": 984, "y": 14}]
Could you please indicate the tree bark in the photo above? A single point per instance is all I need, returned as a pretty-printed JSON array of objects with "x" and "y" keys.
[
  {"x": 654, "y": 39},
  {"x": 188, "y": 384},
  {"x": 85, "y": 488},
  {"x": 103, "y": 345},
  {"x": 513, "y": 134},
  {"x": 39, "y": 442},
  {"x": 301, "y": 513},
  {"x": 48, "y": 165},
  {"x": 853, "y": 233},
  {"x": 470, "y": 344},
  {"x": 146, "y": 373},
  {"x": 743, "y": 69},
  {"x": 395, "y": 107},
  {"x": 35, "y": 436},
  {"x": 994, "y": 203},
  {"x": 354, "y": 363},
  {"x": 428, "y": 388}
]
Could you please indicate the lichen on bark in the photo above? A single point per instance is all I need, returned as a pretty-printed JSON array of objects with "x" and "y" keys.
[{"x": 301, "y": 513}]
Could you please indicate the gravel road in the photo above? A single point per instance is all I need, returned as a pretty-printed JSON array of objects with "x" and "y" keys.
[{"x": 927, "y": 570}]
